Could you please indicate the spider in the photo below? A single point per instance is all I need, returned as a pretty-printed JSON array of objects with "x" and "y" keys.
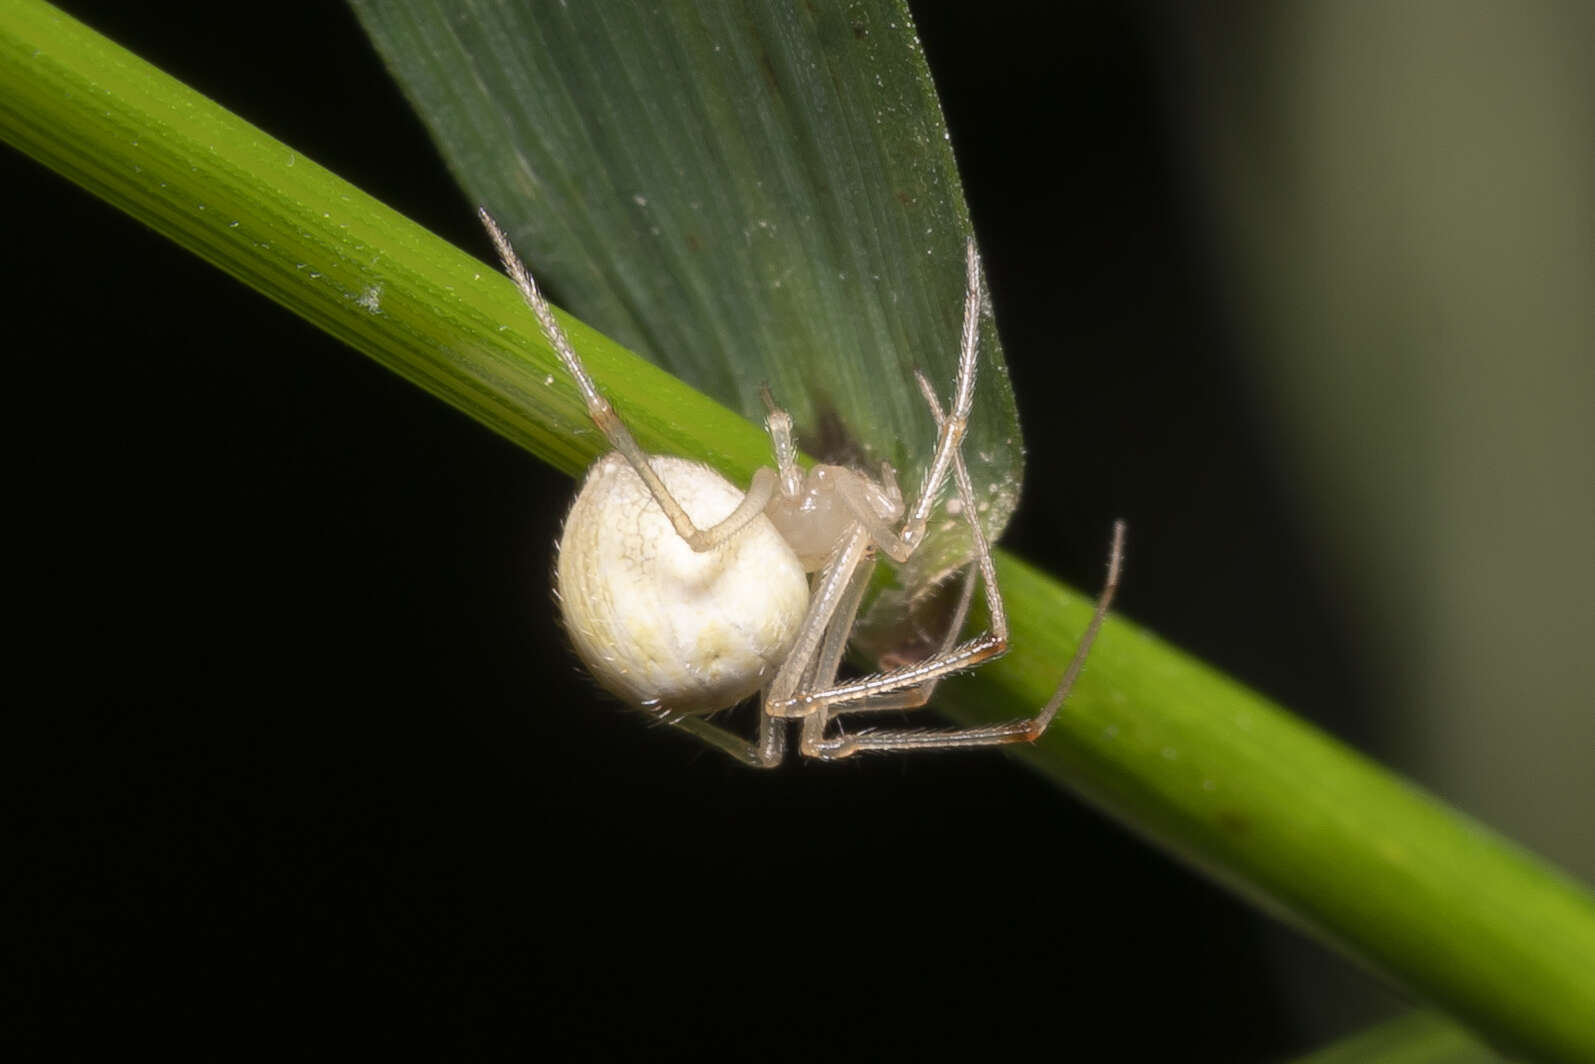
[{"x": 684, "y": 596}]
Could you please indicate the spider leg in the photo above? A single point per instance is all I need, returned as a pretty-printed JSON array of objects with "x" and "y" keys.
[
  {"x": 760, "y": 490},
  {"x": 826, "y": 663},
  {"x": 899, "y": 545},
  {"x": 767, "y": 751},
  {"x": 779, "y": 425},
  {"x": 821, "y": 671},
  {"x": 1018, "y": 731},
  {"x": 912, "y": 697},
  {"x": 915, "y": 697},
  {"x": 950, "y": 430},
  {"x": 833, "y": 587},
  {"x": 912, "y": 685}
]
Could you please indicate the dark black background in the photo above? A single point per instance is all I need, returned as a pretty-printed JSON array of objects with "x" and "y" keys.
[{"x": 309, "y": 766}]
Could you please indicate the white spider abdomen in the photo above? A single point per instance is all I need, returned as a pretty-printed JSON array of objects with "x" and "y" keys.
[{"x": 659, "y": 624}]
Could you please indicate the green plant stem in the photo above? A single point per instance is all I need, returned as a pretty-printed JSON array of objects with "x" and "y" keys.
[
  {"x": 1303, "y": 826},
  {"x": 1416, "y": 1038},
  {"x": 1260, "y": 801},
  {"x": 272, "y": 218}
]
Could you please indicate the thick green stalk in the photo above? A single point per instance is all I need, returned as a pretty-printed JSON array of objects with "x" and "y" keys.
[
  {"x": 1416, "y": 1038},
  {"x": 1262, "y": 802},
  {"x": 1303, "y": 826},
  {"x": 275, "y": 220}
]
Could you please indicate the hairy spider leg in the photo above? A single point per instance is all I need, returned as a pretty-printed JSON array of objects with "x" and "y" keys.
[
  {"x": 829, "y": 662},
  {"x": 760, "y": 490},
  {"x": 912, "y": 685},
  {"x": 1018, "y": 731},
  {"x": 950, "y": 430},
  {"x": 841, "y": 585}
]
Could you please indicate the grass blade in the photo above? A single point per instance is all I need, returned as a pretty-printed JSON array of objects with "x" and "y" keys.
[{"x": 745, "y": 194}]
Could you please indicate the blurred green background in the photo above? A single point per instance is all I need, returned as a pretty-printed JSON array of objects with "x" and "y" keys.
[{"x": 1402, "y": 208}]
